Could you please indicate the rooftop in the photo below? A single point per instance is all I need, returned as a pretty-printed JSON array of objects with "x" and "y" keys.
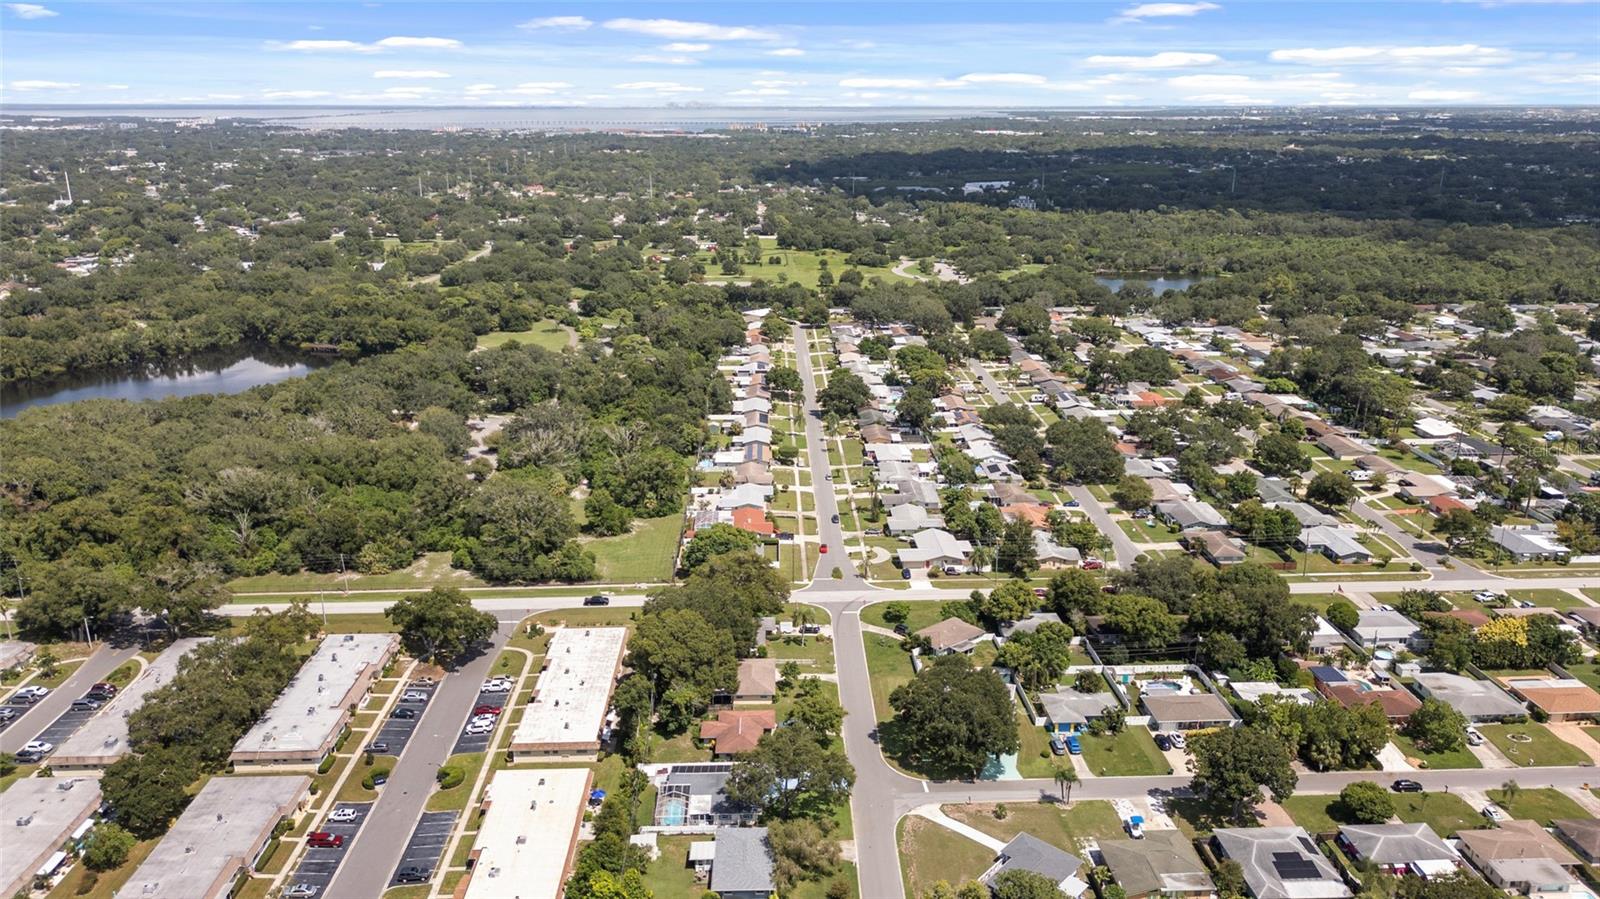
[
  {"x": 1518, "y": 839},
  {"x": 1470, "y": 696},
  {"x": 1556, "y": 695},
  {"x": 738, "y": 731},
  {"x": 309, "y": 712},
  {"x": 569, "y": 704},
  {"x": 950, "y": 633},
  {"x": 1027, "y": 852},
  {"x": 219, "y": 833},
  {"x": 743, "y": 862},
  {"x": 1187, "y": 707},
  {"x": 1163, "y": 862},
  {"x": 527, "y": 837},
  {"x": 40, "y": 813},
  {"x": 757, "y": 677},
  {"x": 1281, "y": 863},
  {"x": 104, "y": 738},
  {"x": 1397, "y": 844}
]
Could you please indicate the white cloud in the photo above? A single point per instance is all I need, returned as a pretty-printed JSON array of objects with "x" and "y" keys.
[
  {"x": 1171, "y": 59},
  {"x": 322, "y": 46},
  {"x": 1228, "y": 99},
  {"x": 760, "y": 92},
  {"x": 474, "y": 90},
  {"x": 660, "y": 87},
  {"x": 410, "y": 73},
  {"x": 115, "y": 87},
  {"x": 1163, "y": 10},
  {"x": 1442, "y": 96},
  {"x": 681, "y": 47},
  {"x": 540, "y": 88},
  {"x": 427, "y": 43},
  {"x": 30, "y": 11},
  {"x": 898, "y": 83},
  {"x": 786, "y": 51},
  {"x": 1388, "y": 55},
  {"x": 776, "y": 82},
  {"x": 294, "y": 95},
  {"x": 676, "y": 29},
  {"x": 35, "y": 85},
  {"x": 1581, "y": 78},
  {"x": 569, "y": 23},
  {"x": 660, "y": 60},
  {"x": 1193, "y": 82},
  {"x": 1003, "y": 78}
]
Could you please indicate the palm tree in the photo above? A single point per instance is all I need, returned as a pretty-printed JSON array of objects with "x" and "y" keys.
[
  {"x": 1509, "y": 792},
  {"x": 804, "y": 615},
  {"x": 1066, "y": 776}
]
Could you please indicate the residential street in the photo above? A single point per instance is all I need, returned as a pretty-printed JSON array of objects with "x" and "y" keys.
[
  {"x": 97, "y": 667},
  {"x": 828, "y": 534}
]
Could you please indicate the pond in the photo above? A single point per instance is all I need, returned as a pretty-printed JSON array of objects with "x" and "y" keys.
[
  {"x": 223, "y": 371},
  {"x": 1158, "y": 282}
]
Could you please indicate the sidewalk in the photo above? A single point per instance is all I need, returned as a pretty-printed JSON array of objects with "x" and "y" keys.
[{"x": 936, "y": 815}]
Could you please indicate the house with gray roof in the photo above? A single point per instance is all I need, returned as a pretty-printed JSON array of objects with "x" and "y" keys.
[
  {"x": 1188, "y": 514},
  {"x": 1479, "y": 700},
  {"x": 1280, "y": 863},
  {"x": 1027, "y": 852},
  {"x": 1163, "y": 864},
  {"x": 935, "y": 548},
  {"x": 1187, "y": 711},
  {"x": 741, "y": 867},
  {"x": 1308, "y": 515},
  {"x": 1400, "y": 848},
  {"x": 1380, "y": 629},
  {"x": 1529, "y": 543},
  {"x": 1275, "y": 490},
  {"x": 1069, "y": 711},
  {"x": 1341, "y": 544},
  {"x": 909, "y": 518}
]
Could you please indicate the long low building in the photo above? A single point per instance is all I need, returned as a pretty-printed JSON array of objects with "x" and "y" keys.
[
  {"x": 567, "y": 714},
  {"x": 15, "y": 653},
  {"x": 301, "y": 726},
  {"x": 104, "y": 738},
  {"x": 40, "y": 813},
  {"x": 219, "y": 835},
  {"x": 528, "y": 836}
]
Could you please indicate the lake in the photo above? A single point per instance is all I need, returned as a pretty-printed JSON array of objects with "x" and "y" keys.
[
  {"x": 222, "y": 371},
  {"x": 1158, "y": 282}
]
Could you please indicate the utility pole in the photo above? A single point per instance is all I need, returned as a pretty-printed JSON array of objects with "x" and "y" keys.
[{"x": 342, "y": 582}]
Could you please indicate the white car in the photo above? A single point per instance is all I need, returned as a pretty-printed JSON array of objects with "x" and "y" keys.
[
  {"x": 479, "y": 728},
  {"x": 1494, "y": 813},
  {"x": 34, "y": 691},
  {"x": 1486, "y": 596},
  {"x": 483, "y": 719},
  {"x": 38, "y": 746},
  {"x": 343, "y": 815},
  {"x": 496, "y": 686},
  {"x": 1178, "y": 742},
  {"x": 1474, "y": 737},
  {"x": 414, "y": 696}
]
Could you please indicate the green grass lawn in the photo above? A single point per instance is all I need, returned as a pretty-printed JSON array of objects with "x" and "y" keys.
[
  {"x": 1318, "y": 601},
  {"x": 589, "y": 617},
  {"x": 796, "y": 267},
  {"x": 1067, "y": 828},
  {"x": 1560, "y": 600},
  {"x": 547, "y": 335},
  {"x": 81, "y": 883},
  {"x": 815, "y": 654},
  {"x": 670, "y": 874},
  {"x": 1034, "y": 758},
  {"x": 1131, "y": 753},
  {"x": 645, "y": 555},
  {"x": 1315, "y": 813},
  {"x": 1446, "y": 813},
  {"x": 455, "y": 798},
  {"x": 889, "y": 666},
  {"x": 922, "y": 614},
  {"x": 930, "y": 853},
  {"x": 1545, "y": 748},
  {"x": 1460, "y": 758},
  {"x": 1543, "y": 805}
]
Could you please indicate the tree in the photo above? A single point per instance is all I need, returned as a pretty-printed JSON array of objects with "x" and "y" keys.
[
  {"x": 1133, "y": 494},
  {"x": 1232, "y": 764},
  {"x": 605, "y": 517},
  {"x": 149, "y": 789},
  {"x": 1461, "y": 527},
  {"x": 817, "y": 711},
  {"x": 784, "y": 381},
  {"x": 1038, "y": 658},
  {"x": 844, "y": 394},
  {"x": 438, "y": 626},
  {"x": 1020, "y": 884},
  {"x": 1083, "y": 451},
  {"x": 1364, "y": 802},
  {"x": 108, "y": 847},
  {"x": 1333, "y": 737},
  {"x": 679, "y": 649},
  {"x": 1142, "y": 620},
  {"x": 1074, "y": 594},
  {"x": 1279, "y": 455},
  {"x": 1332, "y": 489},
  {"x": 715, "y": 540},
  {"x": 801, "y": 850},
  {"x": 627, "y": 885},
  {"x": 1066, "y": 776},
  {"x": 897, "y": 612},
  {"x": 1017, "y": 554},
  {"x": 1342, "y": 613},
  {"x": 952, "y": 718},
  {"x": 1456, "y": 885},
  {"x": 792, "y": 774},
  {"x": 1011, "y": 601},
  {"x": 1436, "y": 727}
]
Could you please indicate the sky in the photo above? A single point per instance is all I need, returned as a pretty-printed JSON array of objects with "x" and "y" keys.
[{"x": 833, "y": 53}]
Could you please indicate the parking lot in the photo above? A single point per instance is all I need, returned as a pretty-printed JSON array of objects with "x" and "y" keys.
[
  {"x": 480, "y": 742},
  {"x": 427, "y": 843},
  {"x": 64, "y": 726},
  {"x": 319, "y": 865},
  {"x": 396, "y": 732}
]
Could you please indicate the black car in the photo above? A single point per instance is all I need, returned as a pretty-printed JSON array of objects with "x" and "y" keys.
[
  {"x": 1406, "y": 786},
  {"x": 1163, "y": 742},
  {"x": 901, "y": 629},
  {"x": 403, "y": 712},
  {"x": 835, "y": 518},
  {"x": 597, "y": 600},
  {"x": 412, "y": 874}
]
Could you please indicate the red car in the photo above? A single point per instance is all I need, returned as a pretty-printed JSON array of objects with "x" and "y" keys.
[
  {"x": 823, "y": 548},
  {"x": 321, "y": 839},
  {"x": 487, "y": 710},
  {"x": 1093, "y": 564}
]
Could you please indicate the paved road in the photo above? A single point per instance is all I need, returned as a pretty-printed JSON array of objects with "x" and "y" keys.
[
  {"x": 42, "y": 714},
  {"x": 829, "y": 534},
  {"x": 1425, "y": 552},
  {"x": 377, "y": 849},
  {"x": 1123, "y": 548},
  {"x": 319, "y": 866}
]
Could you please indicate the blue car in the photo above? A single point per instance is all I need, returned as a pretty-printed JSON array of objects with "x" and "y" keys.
[{"x": 1074, "y": 746}]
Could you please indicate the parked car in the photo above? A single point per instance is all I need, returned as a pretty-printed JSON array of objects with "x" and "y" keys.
[
  {"x": 1474, "y": 737},
  {"x": 1072, "y": 504},
  {"x": 1134, "y": 826},
  {"x": 1495, "y": 813},
  {"x": 823, "y": 548},
  {"x": 901, "y": 629},
  {"x": 1178, "y": 740},
  {"x": 103, "y": 688},
  {"x": 1486, "y": 596},
  {"x": 1406, "y": 786},
  {"x": 1163, "y": 742},
  {"x": 7, "y": 713},
  {"x": 378, "y": 747},
  {"x": 1040, "y": 592},
  {"x": 483, "y": 719},
  {"x": 301, "y": 891},
  {"x": 404, "y": 713},
  {"x": 1058, "y": 745},
  {"x": 952, "y": 570},
  {"x": 321, "y": 839},
  {"x": 479, "y": 728},
  {"x": 379, "y": 780},
  {"x": 414, "y": 696},
  {"x": 1074, "y": 745},
  {"x": 1093, "y": 564},
  {"x": 423, "y": 682},
  {"x": 343, "y": 815},
  {"x": 34, "y": 691},
  {"x": 85, "y": 704},
  {"x": 905, "y": 574},
  {"x": 835, "y": 518},
  {"x": 487, "y": 710},
  {"x": 412, "y": 874},
  {"x": 495, "y": 686},
  {"x": 599, "y": 599}
]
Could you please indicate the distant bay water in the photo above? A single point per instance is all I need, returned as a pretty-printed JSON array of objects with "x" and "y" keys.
[{"x": 568, "y": 118}]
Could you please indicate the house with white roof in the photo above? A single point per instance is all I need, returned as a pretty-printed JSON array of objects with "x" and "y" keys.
[
  {"x": 935, "y": 548},
  {"x": 1341, "y": 544}
]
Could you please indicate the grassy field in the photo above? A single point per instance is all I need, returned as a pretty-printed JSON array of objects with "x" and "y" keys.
[
  {"x": 1559, "y": 600},
  {"x": 427, "y": 570},
  {"x": 1316, "y": 814},
  {"x": 1543, "y": 805},
  {"x": 645, "y": 555},
  {"x": 922, "y": 615},
  {"x": 1058, "y": 825},
  {"x": 930, "y": 853},
  {"x": 1128, "y": 754},
  {"x": 889, "y": 666},
  {"x": 1446, "y": 813},
  {"x": 795, "y": 266},
  {"x": 81, "y": 883},
  {"x": 1541, "y": 749},
  {"x": 547, "y": 335},
  {"x": 1461, "y": 758},
  {"x": 455, "y": 798}
]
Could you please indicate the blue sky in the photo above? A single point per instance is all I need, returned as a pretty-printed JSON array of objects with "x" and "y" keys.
[{"x": 1207, "y": 52}]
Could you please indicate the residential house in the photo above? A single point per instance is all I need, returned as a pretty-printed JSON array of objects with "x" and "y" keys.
[
  {"x": 1582, "y": 836},
  {"x": 1255, "y": 691},
  {"x": 1480, "y": 701},
  {"x": 1187, "y": 711},
  {"x": 1379, "y": 629},
  {"x": 1378, "y": 465},
  {"x": 1340, "y": 544},
  {"x": 1216, "y": 547},
  {"x": 753, "y": 520},
  {"x": 737, "y": 731},
  {"x": 1030, "y": 623},
  {"x": 1275, "y": 490},
  {"x": 1561, "y": 698},
  {"x": 741, "y": 866},
  {"x": 1163, "y": 865},
  {"x": 1444, "y": 504},
  {"x": 921, "y": 491},
  {"x": 889, "y": 452},
  {"x": 1027, "y": 852},
  {"x": 1342, "y": 447},
  {"x": 758, "y": 473},
  {"x": 1280, "y": 863},
  {"x": 1420, "y": 487},
  {"x": 1529, "y": 543},
  {"x": 1190, "y": 514},
  {"x": 909, "y": 518},
  {"x": 1520, "y": 856},
  {"x": 875, "y": 434},
  {"x": 1308, "y": 515},
  {"x": 935, "y": 548},
  {"x": 952, "y": 635},
  {"x": 1397, "y": 705},
  {"x": 1036, "y": 515},
  {"x": 1052, "y": 556},
  {"x": 745, "y": 496},
  {"x": 1326, "y": 637},
  {"x": 1068, "y": 711},
  {"x": 1434, "y": 428},
  {"x": 758, "y": 681}
]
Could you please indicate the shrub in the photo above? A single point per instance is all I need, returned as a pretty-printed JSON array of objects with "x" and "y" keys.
[
  {"x": 1366, "y": 803},
  {"x": 108, "y": 848},
  {"x": 327, "y": 764},
  {"x": 368, "y": 782},
  {"x": 450, "y": 776}
]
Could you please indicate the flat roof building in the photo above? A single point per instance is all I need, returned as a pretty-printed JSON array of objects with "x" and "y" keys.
[
  {"x": 217, "y": 837},
  {"x": 15, "y": 653},
  {"x": 104, "y": 738},
  {"x": 529, "y": 833},
  {"x": 568, "y": 710},
  {"x": 1478, "y": 700},
  {"x": 40, "y": 813},
  {"x": 302, "y": 724}
]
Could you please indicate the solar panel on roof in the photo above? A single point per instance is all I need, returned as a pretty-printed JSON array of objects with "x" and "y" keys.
[{"x": 1294, "y": 866}]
